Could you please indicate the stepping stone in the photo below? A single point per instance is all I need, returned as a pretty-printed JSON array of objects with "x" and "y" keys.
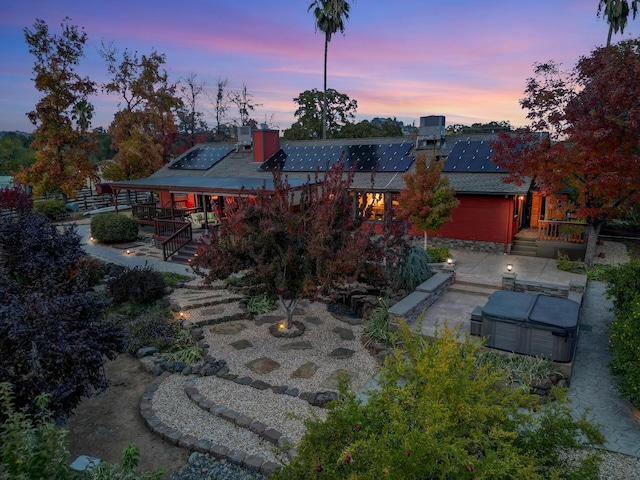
[
  {"x": 268, "y": 319},
  {"x": 241, "y": 344},
  {"x": 342, "y": 353},
  {"x": 228, "y": 328},
  {"x": 212, "y": 311},
  {"x": 314, "y": 320},
  {"x": 331, "y": 383},
  {"x": 344, "y": 333},
  {"x": 301, "y": 345},
  {"x": 263, "y": 365},
  {"x": 306, "y": 370}
]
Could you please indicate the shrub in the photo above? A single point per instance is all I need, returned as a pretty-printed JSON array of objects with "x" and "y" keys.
[
  {"x": 138, "y": 284},
  {"x": 625, "y": 345},
  {"x": 411, "y": 270},
  {"x": 51, "y": 208},
  {"x": 174, "y": 280},
  {"x": 623, "y": 285},
  {"x": 31, "y": 447},
  {"x": 52, "y": 336},
  {"x": 151, "y": 326},
  {"x": 183, "y": 349},
  {"x": 377, "y": 326},
  {"x": 564, "y": 263},
  {"x": 260, "y": 304},
  {"x": 112, "y": 227},
  {"x": 438, "y": 254},
  {"x": 439, "y": 414}
]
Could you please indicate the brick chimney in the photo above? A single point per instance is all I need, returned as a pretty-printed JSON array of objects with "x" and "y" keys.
[{"x": 265, "y": 144}]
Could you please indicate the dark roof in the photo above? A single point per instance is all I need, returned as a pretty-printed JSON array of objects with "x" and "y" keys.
[
  {"x": 237, "y": 169},
  {"x": 382, "y": 157},
  {"x": 220, "y": 185},
  {"x": 471, "y": 156}
]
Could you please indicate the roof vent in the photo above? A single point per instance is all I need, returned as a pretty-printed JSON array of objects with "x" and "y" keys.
[{"x": 244, "y": 138}]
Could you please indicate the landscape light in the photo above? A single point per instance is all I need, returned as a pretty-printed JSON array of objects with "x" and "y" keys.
[
  {"x": 509, "y": 267},
  {"x": 449, "y": 261}
]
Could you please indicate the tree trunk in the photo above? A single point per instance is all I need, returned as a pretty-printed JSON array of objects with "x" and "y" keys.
[
  {"x": 593, "y": 230},
  {"x": 324, "y": 97},
  {"x": 288, "y": 309},
  {"x": 425, "y": 239}
]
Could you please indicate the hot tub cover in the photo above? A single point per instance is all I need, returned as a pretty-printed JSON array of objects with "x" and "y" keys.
[{"x": 531, "y": 310}]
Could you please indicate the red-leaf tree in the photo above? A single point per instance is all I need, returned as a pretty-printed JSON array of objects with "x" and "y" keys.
[
  {"x": 427, "y": 200},
  {"x": 593, "y": 150},
  {"x": 295, "y": 243},
  {"x": 61, "y": 147}
]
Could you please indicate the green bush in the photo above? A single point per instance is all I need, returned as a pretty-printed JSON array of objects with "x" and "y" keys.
[
  {"x": 51, "y": 208},
  {"x": 623, "y": 286},
  {"x": 438, "y": 254},
  {"x": 440, "y": 414},
  {"x": 139, "y": 284},
  {"x": 564, "y": 263},
  {"x": 112, "y": 227},
  {"x": 30, "y": 447}
]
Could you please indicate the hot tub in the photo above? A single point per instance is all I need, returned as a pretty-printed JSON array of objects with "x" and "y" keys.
[{"x": 539, "y": 325}]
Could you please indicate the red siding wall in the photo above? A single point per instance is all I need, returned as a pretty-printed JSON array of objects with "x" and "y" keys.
[{"x": 478, "y": 217}]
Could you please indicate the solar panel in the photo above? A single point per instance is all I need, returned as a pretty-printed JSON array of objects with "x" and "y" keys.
[
  {"x": 390, "y": 157},
  {"x": 471, "y": 156},
  {"x": 201, "y": 158}
]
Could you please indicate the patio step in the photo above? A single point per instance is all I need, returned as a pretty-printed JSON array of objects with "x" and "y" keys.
[
  {"x": 472, "y": 288},
  {"x": 185, "y": 254},
  {"x": 524, "y": 246}
]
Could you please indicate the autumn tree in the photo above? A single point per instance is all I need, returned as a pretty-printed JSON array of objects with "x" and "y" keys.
[
  {"x": 617, "y": 13},
  {"x": 330, "y": 16},
  {"x": 295, "y": 243},
  {"x": 427, "y": 200},
  {"x": 339, "y": 112},
  {"x": 593, "y": 116},
  {"x": 144, "y": 131},
  {"x": 61, "y": 147}
]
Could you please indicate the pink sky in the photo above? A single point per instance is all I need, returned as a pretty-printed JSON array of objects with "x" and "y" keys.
[{"x": 465, "y": 59}]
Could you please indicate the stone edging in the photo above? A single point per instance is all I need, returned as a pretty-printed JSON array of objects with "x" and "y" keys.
[
  {"x": 185, "y": 440},
  {"x": 269, "y": 434}
]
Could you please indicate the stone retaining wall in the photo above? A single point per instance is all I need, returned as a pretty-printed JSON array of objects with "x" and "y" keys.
[
  {"x": 473, "y": 245},
  {"x": 411, "y": 307}
]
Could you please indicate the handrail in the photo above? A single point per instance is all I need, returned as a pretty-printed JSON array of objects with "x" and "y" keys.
[
  {"x": 177, "y": 240},
  {"x": 562, "y": 231}
]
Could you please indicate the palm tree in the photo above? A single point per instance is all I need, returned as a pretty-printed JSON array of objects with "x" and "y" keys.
[
  {"x": 617, "y": 12},
  {"x": 330, "y": 16}
]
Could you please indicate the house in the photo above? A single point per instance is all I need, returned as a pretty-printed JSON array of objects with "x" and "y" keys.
[{"x": 208, "y": 177}]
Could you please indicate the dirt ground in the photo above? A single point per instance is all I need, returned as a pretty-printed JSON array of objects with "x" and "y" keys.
[{"x": 104, "y": 424}]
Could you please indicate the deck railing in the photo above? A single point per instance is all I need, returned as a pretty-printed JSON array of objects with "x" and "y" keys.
[
  {"x": 147, "y": 213},
  {"x": 561, "y": 231},
  {"x": 180, "y": 236}
]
